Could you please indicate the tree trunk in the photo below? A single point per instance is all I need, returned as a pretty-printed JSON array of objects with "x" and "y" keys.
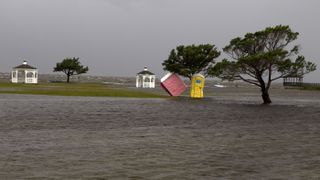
[
  {"x": 266, "y": 97},
  {"x": 68, "y": 78}
]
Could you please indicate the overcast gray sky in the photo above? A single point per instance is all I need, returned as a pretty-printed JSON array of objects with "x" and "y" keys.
[{"x": 120, "y": 37}]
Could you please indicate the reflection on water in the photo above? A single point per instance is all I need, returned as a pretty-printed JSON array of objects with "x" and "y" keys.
[{"x": 119, "y": 138}]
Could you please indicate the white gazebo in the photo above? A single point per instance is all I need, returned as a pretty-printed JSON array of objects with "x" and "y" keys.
[
  {"x": 146, "y": 79},
  {"x": 24, "y": 73}
]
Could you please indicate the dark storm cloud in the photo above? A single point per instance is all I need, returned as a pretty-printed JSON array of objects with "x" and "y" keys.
[{"x": 119, "y": 37}]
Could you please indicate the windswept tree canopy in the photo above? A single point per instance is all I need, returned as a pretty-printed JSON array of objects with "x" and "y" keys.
[
  {"x": 262, "y": 57},
  {"x": 189, "y": 60},
  {"x": 71, "y": 66}
]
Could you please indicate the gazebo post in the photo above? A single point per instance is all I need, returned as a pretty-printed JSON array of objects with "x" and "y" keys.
[{"x": 25, "y": 76}]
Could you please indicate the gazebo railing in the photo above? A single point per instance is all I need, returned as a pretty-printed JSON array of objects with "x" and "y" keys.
[
  {"x": 30, "y": 80},
  {"x": 292, "y": 83},
  {"x": 300, "y": 84}
]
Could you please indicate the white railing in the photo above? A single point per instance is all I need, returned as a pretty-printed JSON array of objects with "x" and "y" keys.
[{"x": 30, "y": 80}]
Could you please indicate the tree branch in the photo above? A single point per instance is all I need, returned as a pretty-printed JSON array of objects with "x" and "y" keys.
[{"x": 249, "y": 81}]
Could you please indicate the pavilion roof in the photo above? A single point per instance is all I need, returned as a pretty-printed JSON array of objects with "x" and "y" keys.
[
  {"x": 146, "y": 72},
  {"x": 24, "y": 66}
]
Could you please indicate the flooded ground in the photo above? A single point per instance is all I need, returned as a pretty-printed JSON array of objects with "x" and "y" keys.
[{"x": 229, "y": 135}]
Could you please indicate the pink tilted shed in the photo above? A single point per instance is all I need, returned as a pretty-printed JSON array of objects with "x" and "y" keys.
[{"x": 172, "y": 83}]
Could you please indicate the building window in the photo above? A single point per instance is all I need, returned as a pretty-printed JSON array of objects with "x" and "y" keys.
[{"x": 29, "y": 74}]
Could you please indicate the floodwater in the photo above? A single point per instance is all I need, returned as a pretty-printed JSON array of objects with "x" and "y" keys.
[{"x": 43, "y": 137}]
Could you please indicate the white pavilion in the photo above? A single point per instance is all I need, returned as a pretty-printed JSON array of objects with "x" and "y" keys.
[
  {"x": 24, "y": 73},
  {"x": 145, "y": 79}
]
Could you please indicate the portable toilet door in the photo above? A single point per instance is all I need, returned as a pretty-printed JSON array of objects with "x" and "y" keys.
[{"x": 197, "y": 85}]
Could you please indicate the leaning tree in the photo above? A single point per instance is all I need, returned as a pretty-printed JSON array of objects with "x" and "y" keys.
[
  {"x": 189, "y": 60},
  {"x": 71, "y": 66},
  {"x": 262, "y": 57}
]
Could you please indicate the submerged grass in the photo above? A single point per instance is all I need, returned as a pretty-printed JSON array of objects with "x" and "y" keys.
[{"x": 75, "y": 89}]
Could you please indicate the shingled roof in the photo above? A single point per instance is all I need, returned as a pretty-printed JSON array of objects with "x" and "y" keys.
[
  {"x": 24, "y": 66},
  {"x": 145, "y": 71}
]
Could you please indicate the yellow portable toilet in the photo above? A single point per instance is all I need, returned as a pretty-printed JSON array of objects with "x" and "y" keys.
[{"x": 197, "y": 85}]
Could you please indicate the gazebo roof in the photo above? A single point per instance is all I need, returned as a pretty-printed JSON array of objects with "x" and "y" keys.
[
  {"x": 24, "y": 66},
  {"x": 145, "y": 72}
]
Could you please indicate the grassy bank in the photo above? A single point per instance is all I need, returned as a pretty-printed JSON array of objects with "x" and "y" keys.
[
  {"x": 75, "y": 89},
  {"x": 312, "y": 88}
]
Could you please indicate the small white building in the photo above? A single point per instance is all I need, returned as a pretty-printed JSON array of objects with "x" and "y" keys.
[
  {"x": 145, "y": 79},
  {"x": 24, "y": 73}
]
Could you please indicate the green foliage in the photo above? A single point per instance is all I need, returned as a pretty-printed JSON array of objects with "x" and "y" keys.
[
  {"x": 226, "y": 70},
  {"x": 71, "y": 66},
  {"x": 262, "y": 57},
  {"x": 189, "y": 60}
]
